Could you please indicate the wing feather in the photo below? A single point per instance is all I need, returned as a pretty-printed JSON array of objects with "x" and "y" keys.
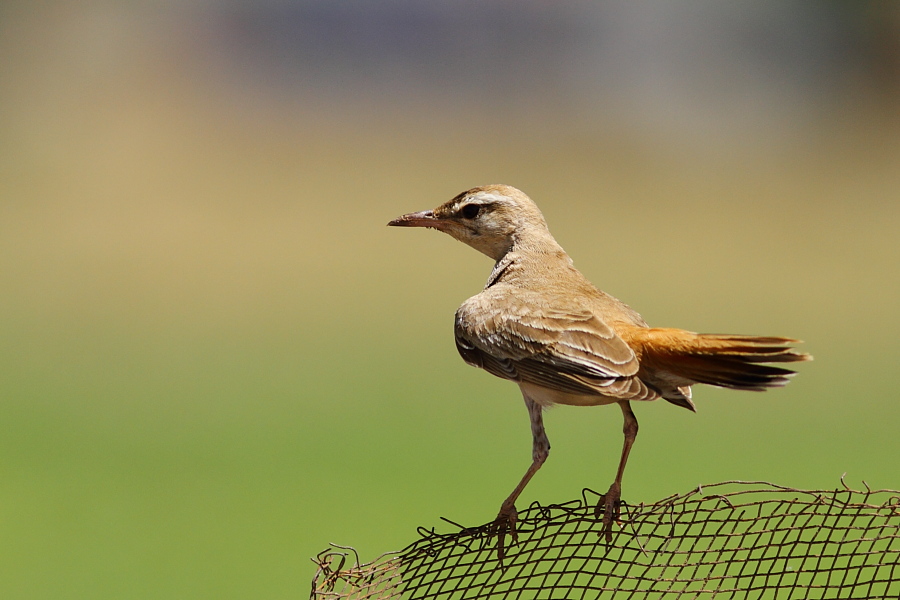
[{"x": 571, "y": 350}]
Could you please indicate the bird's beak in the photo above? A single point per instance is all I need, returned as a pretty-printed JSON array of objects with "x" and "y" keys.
[{"x": 425, "y": 218}]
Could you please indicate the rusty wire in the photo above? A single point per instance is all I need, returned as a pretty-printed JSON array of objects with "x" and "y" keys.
[{"x": 735, "y": 540}]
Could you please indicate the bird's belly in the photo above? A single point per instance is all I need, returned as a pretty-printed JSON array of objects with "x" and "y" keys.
[{"x": 548, "y": 397}]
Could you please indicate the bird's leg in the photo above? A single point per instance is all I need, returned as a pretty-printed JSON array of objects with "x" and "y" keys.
[
  {"x": 609, "y": 502},
  {"x": 506, "y": 518}
]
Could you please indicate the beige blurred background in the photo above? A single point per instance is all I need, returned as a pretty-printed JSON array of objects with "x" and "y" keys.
[{"x": 217, "y": 359}]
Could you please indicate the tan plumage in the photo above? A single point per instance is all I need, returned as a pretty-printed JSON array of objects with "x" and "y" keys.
[
  {"x": 547, "y": 340},
  {"x": 540, "y": 323}
]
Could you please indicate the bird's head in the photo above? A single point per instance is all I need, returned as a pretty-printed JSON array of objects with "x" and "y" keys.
[{"x": 491, "y": 219}]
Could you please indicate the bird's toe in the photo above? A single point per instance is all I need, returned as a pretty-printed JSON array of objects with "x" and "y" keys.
[
  {"x": 607, "y": 509},
  {"x": 504, "y": 524}
]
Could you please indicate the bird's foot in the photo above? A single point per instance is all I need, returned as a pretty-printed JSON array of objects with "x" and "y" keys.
[
  {"x": 505, "y": 523},
  {"x": 608, "y": 507}
]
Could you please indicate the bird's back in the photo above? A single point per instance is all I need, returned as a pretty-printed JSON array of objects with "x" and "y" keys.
[{"x": 541, "y": 323}]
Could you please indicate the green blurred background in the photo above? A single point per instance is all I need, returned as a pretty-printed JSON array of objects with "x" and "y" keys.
[{"x": 216, "y": 359}]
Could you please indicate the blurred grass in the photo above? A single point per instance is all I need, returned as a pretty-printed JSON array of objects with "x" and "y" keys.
[{"x": 216, "y": 358}]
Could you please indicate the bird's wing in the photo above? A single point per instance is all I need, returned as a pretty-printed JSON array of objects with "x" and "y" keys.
[{"x": 557, "y": 345}]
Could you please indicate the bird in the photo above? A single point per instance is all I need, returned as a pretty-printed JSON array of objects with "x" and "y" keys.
[{"x": 540, "y": 323}]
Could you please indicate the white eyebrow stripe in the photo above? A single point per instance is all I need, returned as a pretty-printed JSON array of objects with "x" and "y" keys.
[{"x": 488, "y": 197}]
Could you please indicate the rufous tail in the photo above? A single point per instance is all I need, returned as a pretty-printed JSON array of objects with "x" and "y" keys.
[{"x": 730, "y": 361}]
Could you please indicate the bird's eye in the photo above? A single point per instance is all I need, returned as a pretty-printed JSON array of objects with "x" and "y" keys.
[{"x": 470, "y": 211}]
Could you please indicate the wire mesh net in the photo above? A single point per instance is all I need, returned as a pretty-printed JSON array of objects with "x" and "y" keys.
[{"x": 728, "y": 540}]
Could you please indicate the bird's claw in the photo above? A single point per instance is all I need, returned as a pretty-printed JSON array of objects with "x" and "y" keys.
[
  {"x": 608, "y": 509},
  {"x": 505, "y": 523}
]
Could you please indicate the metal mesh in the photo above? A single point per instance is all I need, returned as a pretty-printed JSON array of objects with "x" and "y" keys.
[{"x": 736, "y": 540}]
